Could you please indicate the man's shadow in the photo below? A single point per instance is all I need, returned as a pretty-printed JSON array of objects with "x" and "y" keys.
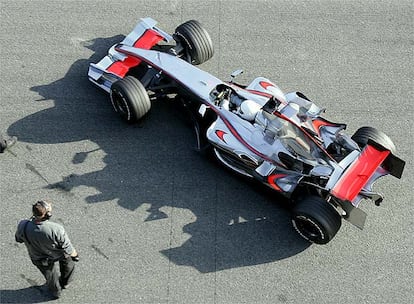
[
  {"x": 152, "y": 163},
  {"x": 36, "y": 294}
]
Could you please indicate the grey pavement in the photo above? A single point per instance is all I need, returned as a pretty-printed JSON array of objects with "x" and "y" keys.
[{"x": 156, "y": 222}]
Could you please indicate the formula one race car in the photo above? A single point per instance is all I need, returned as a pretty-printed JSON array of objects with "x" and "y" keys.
[{"x": 256, "y": 130}]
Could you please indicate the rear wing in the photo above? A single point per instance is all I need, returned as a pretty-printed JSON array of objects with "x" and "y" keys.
[
  {"x": 373, "y": 162},
  {"x": 393, "y": 164}
]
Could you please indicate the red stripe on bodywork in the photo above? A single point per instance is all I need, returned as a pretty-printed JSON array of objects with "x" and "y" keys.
[
  {"x": 146, "y": 41},
  {"x": 272, "y": 181},
  {"x": 220, "y": 134},
  {"x": 357, "y": 175},
  {"x": 260, "y": 93},
  {"x": 318, "y": 123},
  {"x": 120, "y": 68},
  {"x": 265, "y": 84}
]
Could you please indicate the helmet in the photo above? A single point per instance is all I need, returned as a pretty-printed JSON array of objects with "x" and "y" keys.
[{"x": 248, "y": 109}]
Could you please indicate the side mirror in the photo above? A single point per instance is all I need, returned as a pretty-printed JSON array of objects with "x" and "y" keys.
[
  {"x": 235, "y": 74},
  {"x": 202, "y": 110}
]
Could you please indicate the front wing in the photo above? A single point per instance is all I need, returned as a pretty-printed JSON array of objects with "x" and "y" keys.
[{"x": 116, "y": 65}]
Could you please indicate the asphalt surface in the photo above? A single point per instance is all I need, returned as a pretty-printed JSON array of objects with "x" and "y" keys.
[{"x": 156, "y": 222}]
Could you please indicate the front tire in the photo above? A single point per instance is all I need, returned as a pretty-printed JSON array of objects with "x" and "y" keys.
[
  {"x": 362, "y": 135},
  {"x": 130, "y": 99},
  {"x": 316, "y": 220},
  {"x": 195, "y": 40}
]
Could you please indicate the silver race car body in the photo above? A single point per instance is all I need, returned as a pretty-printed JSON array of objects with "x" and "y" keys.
[{"x": 256, "y": 130}]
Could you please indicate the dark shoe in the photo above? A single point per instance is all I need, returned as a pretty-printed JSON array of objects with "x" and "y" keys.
[
  {"x": 63, "y": 285},
  {"x": 56, "y": 295}
]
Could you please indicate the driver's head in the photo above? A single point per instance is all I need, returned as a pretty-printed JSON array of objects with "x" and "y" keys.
[{"x": 248, "y": 109}]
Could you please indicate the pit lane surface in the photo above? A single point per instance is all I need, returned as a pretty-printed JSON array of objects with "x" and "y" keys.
[{"x": 156, "y": 222}]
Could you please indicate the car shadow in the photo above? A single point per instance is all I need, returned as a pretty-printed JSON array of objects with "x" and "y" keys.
[{"x": 153, "y": 163}]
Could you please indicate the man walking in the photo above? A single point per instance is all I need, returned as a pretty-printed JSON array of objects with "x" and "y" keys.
[{"x": 49, "y": 247}]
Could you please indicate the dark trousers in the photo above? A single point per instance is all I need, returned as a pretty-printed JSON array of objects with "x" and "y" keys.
[{"x": 57, "y": 274}]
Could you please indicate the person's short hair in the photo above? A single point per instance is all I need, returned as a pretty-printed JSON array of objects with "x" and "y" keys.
[{"x": 41, "y": 209}]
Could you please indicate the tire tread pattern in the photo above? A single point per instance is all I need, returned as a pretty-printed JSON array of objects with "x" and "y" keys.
[
  {"x": 197, "y": 39},
  {"x": 321, "y": 212},
  {"x": 363, "y": 134},
  {"x": 136, "y": 95}
]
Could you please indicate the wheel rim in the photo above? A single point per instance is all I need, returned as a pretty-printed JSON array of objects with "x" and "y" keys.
[
  {"x": 119, "y": 103},
  {"x": 308, "y": 229}
]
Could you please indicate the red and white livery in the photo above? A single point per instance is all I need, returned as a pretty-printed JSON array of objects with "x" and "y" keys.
[{"x": 280, "y": 140}]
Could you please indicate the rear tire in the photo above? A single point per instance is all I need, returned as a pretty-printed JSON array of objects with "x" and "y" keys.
[
  {"x": 196, "y": 41},
  {"x": 130, "y": 99},
  {"x": 362, "y": 135},
  {"x": 316, "y": 220}
]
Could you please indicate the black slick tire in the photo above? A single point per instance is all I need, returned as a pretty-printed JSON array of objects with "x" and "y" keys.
[
  {"x": 195, "y": 40},
  {"x": 130, "y": 99},
  {"x": 316, "y": 220},
  {"x": 363, "y": 134}
]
